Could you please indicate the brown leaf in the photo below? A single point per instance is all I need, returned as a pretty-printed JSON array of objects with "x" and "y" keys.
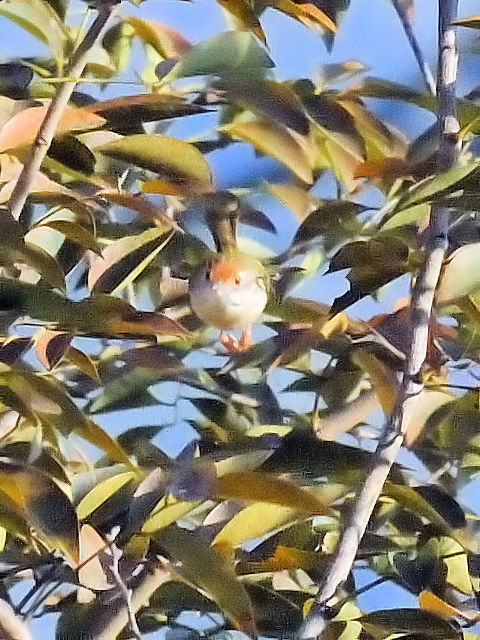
[
  {"x": 51, "y": 346},
  {"x": 94, "y": 560},
  {"x": 23, "y": 127},
  {"x": 145, "y": 107},
  {"x": 140, "y": 205},
  {"x": 125, "y": 259}
]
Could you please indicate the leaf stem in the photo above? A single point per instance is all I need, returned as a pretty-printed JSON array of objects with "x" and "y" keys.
[{"x": 411, "y": 386}]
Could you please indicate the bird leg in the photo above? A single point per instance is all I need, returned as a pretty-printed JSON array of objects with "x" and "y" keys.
[{"x": 233, "y": 345}]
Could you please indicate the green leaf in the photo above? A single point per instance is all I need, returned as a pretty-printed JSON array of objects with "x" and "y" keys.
[
  {"x": 176, "y": 160},
  {"x": 173, "y": 597},
  {"x": 70, "y": 152},
  {"x": 384, "y": 623},
  {"x": 124, "y": 260},
  {"x": 39, "y": 19},
  {"x": 335, "y": 122},
  {"x": 269, "y": 99},
  {"x": 233, "y": 51},
  {"x": 461, "y": 274},
  {"x": 277, "y": 613},
  {"x": 117, "y": 41},
  {"x": 43, "y": 398},
  {"x": 410, "y": 499},
  {"x": 468, "y": 110},
  {"x": 93, "y": 433},
  {"x": 75, "y": 232},
  {"x": 407, "y": 216},
  {"x": 14, "y": 80},
  {"x": 127, "y": 391},
  {"x": 44, "y": 505},
  {"x": 205, "y": 567},
  {"x": 431, "y": 187},
  {"x": 380, "y": 88},
  {"x": 44, "y": 264},
  {"x": 98, "y": 315}
]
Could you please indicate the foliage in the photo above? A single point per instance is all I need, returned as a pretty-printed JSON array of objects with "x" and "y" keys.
[{"x": 95, "y": 321}]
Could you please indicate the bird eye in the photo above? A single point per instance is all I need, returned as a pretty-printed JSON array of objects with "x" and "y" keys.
[
  {"x": 237, "y": 280},
  {"x": 207, "y": 274}
]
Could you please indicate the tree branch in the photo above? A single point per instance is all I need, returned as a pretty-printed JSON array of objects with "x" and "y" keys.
[
  {"x": 125, "y": 591},
  {"x": 422, "y": 301},
  {"x": 107, "y": 616},
  {"x": 401, "y": 7},
  {"x": 49, "y": 125}
]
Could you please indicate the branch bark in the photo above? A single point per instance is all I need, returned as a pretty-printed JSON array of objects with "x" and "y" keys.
[
  {"x": 49, "y": 125},
  {"x": 422, "y": 302}
]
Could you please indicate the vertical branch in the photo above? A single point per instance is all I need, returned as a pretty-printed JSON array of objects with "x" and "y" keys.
[
  {"x": 421, "y": 309},
  {"x": 49, "y": 125},
  {"x": 125, "y": 592},
  {"x": 401, "y": 7}
]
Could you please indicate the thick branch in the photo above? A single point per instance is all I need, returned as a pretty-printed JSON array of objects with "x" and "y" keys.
[
  {"x": 411, "y": 385},
  {"x": 401, "y": 7},
  {"x": 49, "y": 125}
]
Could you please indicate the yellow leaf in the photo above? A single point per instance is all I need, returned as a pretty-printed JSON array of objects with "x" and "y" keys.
[
  {"x": 102, "y": 492},
  {"x": 383, "y": 379},
  {"x": 306, "y": 13},
  {"x": 245, "y": 15},
  {"x": 256, "y": 486},
  {"x": 257, "y": 520}
]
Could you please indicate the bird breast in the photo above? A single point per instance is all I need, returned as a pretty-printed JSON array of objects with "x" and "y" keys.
[{"x": 230, "y": 304}]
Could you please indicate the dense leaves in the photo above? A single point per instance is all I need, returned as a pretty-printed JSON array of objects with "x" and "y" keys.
[{"x": 135, "y": 453}]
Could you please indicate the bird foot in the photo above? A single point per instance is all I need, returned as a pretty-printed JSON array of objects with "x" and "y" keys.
[{"x": 234, "y": 345}]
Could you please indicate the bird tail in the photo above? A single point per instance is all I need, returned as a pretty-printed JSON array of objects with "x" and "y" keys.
[{"x": 222, "y": 216}]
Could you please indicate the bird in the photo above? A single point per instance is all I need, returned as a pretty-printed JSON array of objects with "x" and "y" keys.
[{"x": 230, "y": 290}]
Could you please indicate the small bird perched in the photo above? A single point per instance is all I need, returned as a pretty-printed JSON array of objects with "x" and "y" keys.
[{"x": 229, "y": 291}]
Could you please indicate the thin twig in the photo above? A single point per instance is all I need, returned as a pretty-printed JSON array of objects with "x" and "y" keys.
[
  {"x": 411, "y": 386},
  {"x": 125, "y": 592},
  {"x": 58, "y": 104},
  {"x": 107, "y": 616},
  {"x": 401, "y": 8}
]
